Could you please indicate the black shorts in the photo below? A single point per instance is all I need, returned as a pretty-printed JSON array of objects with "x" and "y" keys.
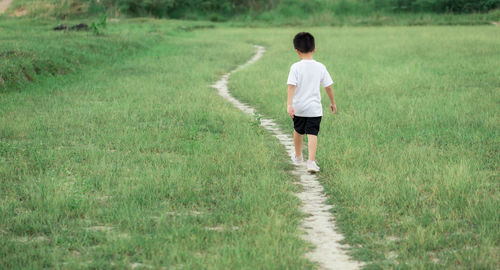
[{"x": 307, "y": 125}]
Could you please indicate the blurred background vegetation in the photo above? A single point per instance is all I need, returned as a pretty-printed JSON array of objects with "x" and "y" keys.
[{"x": 245, "y": 10}]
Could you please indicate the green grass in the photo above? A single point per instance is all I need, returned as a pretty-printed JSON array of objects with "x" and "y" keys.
[
  {"x": 411, "y": 159},
  {"x": 140, "y": 161},
  {"x": 30, "y": 49},
  {"x": 322, "y": 17},
  {"x": 133, "y": 158}
]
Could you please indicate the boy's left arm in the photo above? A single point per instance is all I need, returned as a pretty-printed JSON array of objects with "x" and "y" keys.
[{"x": 329, "y": 91}]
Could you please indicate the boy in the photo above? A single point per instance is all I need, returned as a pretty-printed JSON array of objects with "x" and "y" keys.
[{"x": 304, "y": 98}]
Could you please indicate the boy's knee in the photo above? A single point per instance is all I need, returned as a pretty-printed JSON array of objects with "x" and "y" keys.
[{"x": 297, "y": 133}]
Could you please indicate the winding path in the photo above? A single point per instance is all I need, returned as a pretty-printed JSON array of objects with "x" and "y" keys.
[
  {"x": 319, "y": 224},
  {"x": 4, "y": 5}
]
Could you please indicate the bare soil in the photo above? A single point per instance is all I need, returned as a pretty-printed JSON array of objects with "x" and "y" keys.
[{"x": 4, "y": 5}]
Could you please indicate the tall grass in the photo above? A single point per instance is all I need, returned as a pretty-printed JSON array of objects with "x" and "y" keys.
[
  {"x": 30, "y": 49},
  {"x": 138, "y": 163},
  {"x": 411, "y": 159},
  {"x": 327, "y": 18}
]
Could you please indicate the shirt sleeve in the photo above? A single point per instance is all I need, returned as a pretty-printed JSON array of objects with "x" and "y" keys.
[
  {"x": 326, "y": 80},
  {"x": 292, "y": 76}
]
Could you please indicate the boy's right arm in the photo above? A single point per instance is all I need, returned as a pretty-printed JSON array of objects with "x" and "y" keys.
[{"x": 289, "y": 107}]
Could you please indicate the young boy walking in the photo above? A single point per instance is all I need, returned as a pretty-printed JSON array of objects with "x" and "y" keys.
[{"x": 304, "y": 98}]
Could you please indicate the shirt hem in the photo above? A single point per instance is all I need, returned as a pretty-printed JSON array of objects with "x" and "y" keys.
[{"x": 308, "y": 115}]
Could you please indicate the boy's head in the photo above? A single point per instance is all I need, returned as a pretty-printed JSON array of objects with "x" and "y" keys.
[{"x": 304, "y": 42}]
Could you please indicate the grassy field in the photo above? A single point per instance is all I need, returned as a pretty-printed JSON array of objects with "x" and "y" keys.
[
  {"x": 411, "y": 161},
  {"x": 138, "y": 162},
  {"x": 52, "y": 53},
  {"x": 328, "y": 18},
  {"x": 134, "y": 160}
]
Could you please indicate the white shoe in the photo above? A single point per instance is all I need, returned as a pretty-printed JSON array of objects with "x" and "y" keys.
[
  {"x": 312, "y": 167},
  {"x": 297, "y": 160}
]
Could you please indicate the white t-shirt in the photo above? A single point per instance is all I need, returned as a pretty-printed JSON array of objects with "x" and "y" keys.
[{"x": 307, "y": 75}]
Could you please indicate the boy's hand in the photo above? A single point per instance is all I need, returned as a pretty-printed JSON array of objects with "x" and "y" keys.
[
  {"x": 333, "y": 107},
  {"x": 290, "y": 111}
]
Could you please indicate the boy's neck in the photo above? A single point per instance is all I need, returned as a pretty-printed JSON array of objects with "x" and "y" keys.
[{"x": 306, "y": 56}]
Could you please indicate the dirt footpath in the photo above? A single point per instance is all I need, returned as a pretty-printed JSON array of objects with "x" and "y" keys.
[
  {"x": 4, "y": 5},
  {"x": 319, "y": 225}
]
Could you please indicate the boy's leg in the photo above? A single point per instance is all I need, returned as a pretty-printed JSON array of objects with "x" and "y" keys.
[
  {"x": 312, "y": 129},
  {"x": 299, "y": 125},
  {"x": 297, "y": 140},
  {"x": 312, "y": 145}
]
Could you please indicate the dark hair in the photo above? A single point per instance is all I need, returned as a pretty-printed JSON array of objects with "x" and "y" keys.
[{"x": 304, "y": 42}]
